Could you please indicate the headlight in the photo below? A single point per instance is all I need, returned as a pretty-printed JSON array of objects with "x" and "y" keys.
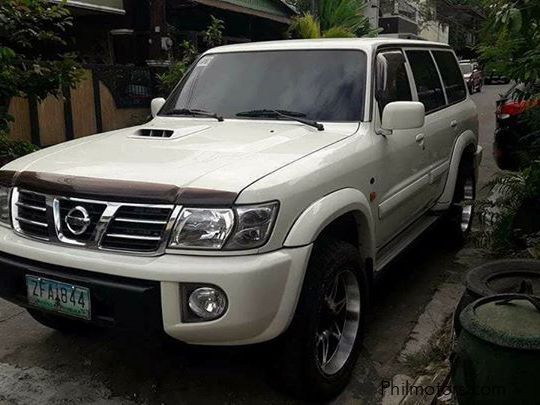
[
  {"x": 4, "y": 205},
  {"x": 244, "y": 227},
  {"x": 253, "y": 227},
  {"x": 202, "y": 228}
]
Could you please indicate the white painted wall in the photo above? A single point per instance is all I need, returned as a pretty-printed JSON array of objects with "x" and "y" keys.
[{"x": 435, "y": 31}]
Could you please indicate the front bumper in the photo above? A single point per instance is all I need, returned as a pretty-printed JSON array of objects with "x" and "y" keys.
[{"x": 262, "y": 290}]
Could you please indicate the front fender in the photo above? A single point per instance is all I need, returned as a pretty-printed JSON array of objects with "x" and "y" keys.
[{"x": 321, "y": 213}]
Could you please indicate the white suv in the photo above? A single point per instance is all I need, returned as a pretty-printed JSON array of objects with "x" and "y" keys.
[{"x": 260, "y": 201}]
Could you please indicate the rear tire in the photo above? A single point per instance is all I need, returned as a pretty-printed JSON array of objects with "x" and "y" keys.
[
  {"x": 317, "y": 354},
  {"x": 461, "y": 212},
  {"x": 62, "y": 324}
]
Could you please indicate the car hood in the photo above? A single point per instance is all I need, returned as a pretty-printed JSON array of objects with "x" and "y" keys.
[{"x": 200, "y": 153}]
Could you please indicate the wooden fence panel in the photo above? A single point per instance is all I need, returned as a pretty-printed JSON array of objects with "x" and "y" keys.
[
  {"x": 56, "y": 120},
  {"x": 115, "y": 118},
  {"x": 51, "y": 120},
  {"x": 83, "y": 108},
  {"x": 20, "y": 128}
]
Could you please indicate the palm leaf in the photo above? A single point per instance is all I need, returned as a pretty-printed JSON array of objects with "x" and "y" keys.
[
  {"x": 305, "y": 27},
  {"x": 338, "y": 32}
]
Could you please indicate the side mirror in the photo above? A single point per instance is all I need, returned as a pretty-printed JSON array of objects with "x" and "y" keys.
[
  {"x": 402, "y": 115},
  {"x": 156, "y": 105}
]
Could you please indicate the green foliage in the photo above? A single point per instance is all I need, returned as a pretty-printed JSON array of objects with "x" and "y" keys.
[
  {"x": 306, "y": 27},
  {"x": 511, "y": 38},
  {"x": 511, "y": 218},
  {"x": 11, "y": 150},
  {"x": 172, "y": 76},
  {"x": 33, "y": 58},
  {"x": 347, "y": 14},
  {"x": 335, "y": 19},
  {"x": 338, "y": 32},
  {"x": 213, "y": 36}
]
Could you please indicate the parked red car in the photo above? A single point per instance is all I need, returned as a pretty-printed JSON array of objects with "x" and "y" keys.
[
  {"x": 517, "y": 135},
  {"x": 472, "y": 74}
]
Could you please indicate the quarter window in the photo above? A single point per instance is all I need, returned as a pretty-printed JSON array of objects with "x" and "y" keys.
[
  {"x": 428, "y": 84},
  {"x": 392, "y": 81},
  {"x": 451, "y": 75}
]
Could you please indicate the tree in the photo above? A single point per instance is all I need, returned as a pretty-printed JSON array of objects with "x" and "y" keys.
[
  {"x": 34, "y": 62},
  {"x": 334, "y": 19},
  {"x": 511, "y": 38}
]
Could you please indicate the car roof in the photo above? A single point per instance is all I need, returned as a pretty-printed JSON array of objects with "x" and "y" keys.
[{"x": 365, "y": 44}]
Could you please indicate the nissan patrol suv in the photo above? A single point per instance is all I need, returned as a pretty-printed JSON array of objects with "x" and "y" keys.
[{"x": 258, "y": 204}]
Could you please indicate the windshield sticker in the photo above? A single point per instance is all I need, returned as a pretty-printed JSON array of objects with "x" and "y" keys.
[{"x": 205, "y": 60}]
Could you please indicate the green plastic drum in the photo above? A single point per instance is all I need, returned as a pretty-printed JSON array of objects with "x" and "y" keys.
[{"x": 497, "y": 354}]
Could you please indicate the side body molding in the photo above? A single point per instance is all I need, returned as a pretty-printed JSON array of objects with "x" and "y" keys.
[
  {"x": 322, "y": 212},
  {"x": 466, "y": 139}
]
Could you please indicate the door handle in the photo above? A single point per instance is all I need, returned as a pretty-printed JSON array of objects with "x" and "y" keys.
[
  {"x": 420, "y": 141},
  {"x": 453, "y": 123}
]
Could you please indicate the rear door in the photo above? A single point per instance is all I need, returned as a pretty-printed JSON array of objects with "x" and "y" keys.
[
  {"x": 452, "y": 119},
  {"x": 440, "y": 126}
]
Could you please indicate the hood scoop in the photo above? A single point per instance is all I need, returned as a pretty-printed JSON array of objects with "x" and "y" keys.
[{"x": 161, "y": 133}]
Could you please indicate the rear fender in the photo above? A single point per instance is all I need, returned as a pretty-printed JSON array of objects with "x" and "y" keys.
[{"x": 466, "y": 139}]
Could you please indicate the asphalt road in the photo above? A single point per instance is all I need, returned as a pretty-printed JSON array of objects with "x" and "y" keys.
[{"x": 41, "y": 366}]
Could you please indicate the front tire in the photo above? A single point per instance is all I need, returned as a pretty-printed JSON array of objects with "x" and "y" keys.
[{"x": 319, "y": 351}]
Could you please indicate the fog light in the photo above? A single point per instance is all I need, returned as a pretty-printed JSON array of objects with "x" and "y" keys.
[{"x": 207, "y": 302}]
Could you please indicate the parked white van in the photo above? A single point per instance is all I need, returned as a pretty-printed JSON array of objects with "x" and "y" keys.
[{"x": 258, "y": 204}]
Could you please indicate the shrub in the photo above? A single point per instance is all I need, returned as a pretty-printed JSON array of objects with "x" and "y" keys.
[
  {"x": 173, "y": 75},
  {"x": 213, "y": 36},
  {"x": 510, "y": 218},
  {"x": 34, "y": 61},
  {"x": 11, "y": 150}
]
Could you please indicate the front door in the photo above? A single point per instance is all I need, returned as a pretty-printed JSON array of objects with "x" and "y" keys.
[{"x": 403, "y": 181}]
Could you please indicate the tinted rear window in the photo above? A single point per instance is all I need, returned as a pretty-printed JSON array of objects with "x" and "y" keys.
[
  {"x": 451, "y": 75},
  {"x": 428, "y": 84}
]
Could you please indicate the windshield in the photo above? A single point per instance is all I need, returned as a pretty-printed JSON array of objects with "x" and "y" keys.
[
  {"x": 466, "y": 68},
  {"x": 322, "y": 85}
]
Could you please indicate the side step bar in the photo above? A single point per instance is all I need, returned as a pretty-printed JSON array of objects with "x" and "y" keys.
[{"x": 397, "y": 245}]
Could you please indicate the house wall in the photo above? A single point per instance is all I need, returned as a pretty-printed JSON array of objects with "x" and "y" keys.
[{"x": 434, "y": 31}]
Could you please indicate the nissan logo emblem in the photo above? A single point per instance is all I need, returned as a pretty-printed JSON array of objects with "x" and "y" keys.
[{"x": 77, "y": 220}]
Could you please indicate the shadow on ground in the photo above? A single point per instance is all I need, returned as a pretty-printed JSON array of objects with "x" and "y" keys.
[{"x": 157, "y": 370}]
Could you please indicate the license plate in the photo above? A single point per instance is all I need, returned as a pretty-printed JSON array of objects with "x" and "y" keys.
[{"x": 58, "y": 297}]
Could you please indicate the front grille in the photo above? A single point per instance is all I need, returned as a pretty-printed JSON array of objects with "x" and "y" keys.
[
  {"x": 31, "y": 214},
  {"x": 137, "y": 228},
  {"x": 95, "y": 210},
  {"x": 93, "y": 224}
]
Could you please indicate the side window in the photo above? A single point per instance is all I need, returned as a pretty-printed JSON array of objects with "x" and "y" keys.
[
  {"x": 392, "y": 83},
  {"x": 428, "y": 85},
  {"x": 451, "y": 74}
]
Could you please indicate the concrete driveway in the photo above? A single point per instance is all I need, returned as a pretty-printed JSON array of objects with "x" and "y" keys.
[{"x": 40, "y": 366}]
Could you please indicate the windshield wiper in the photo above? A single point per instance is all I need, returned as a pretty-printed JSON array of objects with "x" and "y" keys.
[
  {"x": 189, "y": 111},
  {"x": 292, "y": 115}
]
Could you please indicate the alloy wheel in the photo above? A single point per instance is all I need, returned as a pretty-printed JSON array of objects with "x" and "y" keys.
[
  {"x": 339, "y": 322},
  {"x": 466, "y": 204}
]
